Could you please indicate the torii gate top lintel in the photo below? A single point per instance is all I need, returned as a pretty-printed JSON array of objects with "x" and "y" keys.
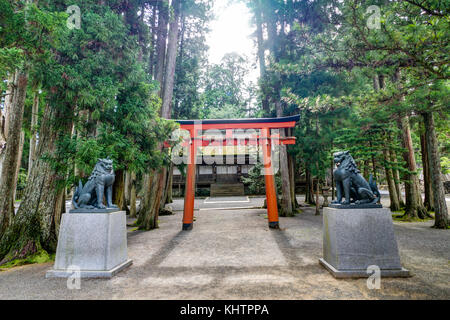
[
  {"x": 255, "y": 123},
  {"x": 264, "y": 139}
]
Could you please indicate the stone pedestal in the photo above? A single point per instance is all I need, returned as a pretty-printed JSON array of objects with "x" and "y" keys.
[
  {"x": 354, "y": 239},
  {"x": 93, "y": 243}
]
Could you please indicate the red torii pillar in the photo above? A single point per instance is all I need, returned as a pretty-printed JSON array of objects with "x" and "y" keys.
[
  {"x": 271, "y": 194},
  {"x": 189, "y": 195},
  {"x": 264, "y": 140}
]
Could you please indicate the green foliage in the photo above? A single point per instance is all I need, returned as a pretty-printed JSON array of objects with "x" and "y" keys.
[
  {"x": 191, "y": 60},
  {"x": 226, "y": 93},
  {"x": 323, "y": 62},
  {"x": 445, "y": 164},
  {"x": 227, "y": 111},
  {"x": 26, "y": 33},
  {"x": 256, "y": 180},
  {"x": 94, "y": 79},
  {"x": 22, "y": 179},
  {"x": 97, "y": 82},
  {"x": 10, "y": 58}
]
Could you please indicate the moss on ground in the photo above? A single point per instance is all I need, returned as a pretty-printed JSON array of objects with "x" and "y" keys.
[
  {"x": 400, "y": 216},
  {"x": 39, "y": 257}
]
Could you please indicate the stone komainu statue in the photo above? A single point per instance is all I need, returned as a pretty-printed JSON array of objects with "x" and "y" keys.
[
  {"x": 351, "y": 184},
  {"x": 90, "y": 195}
]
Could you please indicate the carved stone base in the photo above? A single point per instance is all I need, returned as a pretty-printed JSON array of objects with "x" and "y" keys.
[
  {"x": 385, "y": 273},
  {"x": 95, "y": 274},
  {"x": 355, "y": 239},
  {"x": 95, "y": 244}
]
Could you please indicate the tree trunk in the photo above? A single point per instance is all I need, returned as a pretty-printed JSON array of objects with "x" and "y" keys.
[
  {"x": 286, "y": 199},
  {"x": 374, "y": 166},
  {"x": 19, "y": 160},
  {"x": 83, "y": 116},
  {"x": 8, "y": 102},
  {"x": 150, "y": 204},
  {"x": 171, "y": 59},
  {"x": 440, "y": 205},
  {"x": 146, "y": 183},
  {"x": 127, "y": 187},
  {"x": 271, "y": 25},
  {"x": 12, "y": 150},
  {"x": 414, "y": 205},
  {"x": 395, "y": 205},
  {"x": 396, "y": 79},
  {"x": 4, "y": 121},
  {"x": 396, "y": 176},
  {"x": 374, "y": 163},
  {"x": 332, "y": 178},
  {"x": 177, "y": 99},
  {"x": 376, "y": 84},
  {"x": 169, "y": 186},
  {"x": 157, "y": 203},
  {"x": 260, "y": 39},
  {"x": 164, "y": 177},
  {"x": 119, "y": 191},
  {"x": 36, "y": 224},
  {"x": 34, "y": 122},
  {"x": 309, "y": 197},
  {"x": 148, "y": 197},
  {"x": 170, "y": 191},
  {"x": 151, "y": 63},
  {"x": 291, "y": 163},
  {"x": 428, "y": 202},
  {"x": 132, "y": 195},
  {"x": 165, "y": 112},
  {"x": 317, "y": 198},
  {"x": 161, "y": 42},
  {"x": 151, "y": 216},
  {"x": 261, "y": 57},
  {"x": 366, "y": 169}
]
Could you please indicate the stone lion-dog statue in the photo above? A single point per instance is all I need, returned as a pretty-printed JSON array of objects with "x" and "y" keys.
[
  {"x": 99, "y": 184},
  {"x": 350, "y": 184}
]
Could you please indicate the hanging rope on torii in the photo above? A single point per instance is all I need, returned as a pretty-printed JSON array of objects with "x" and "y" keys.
[{"x": 265, "y": 139}]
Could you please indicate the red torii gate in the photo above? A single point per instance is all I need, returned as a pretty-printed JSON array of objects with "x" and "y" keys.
[{"x": 265, "y": 140}]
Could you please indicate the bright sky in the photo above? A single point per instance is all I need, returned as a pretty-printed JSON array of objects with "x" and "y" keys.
[{"x": 230, "y": 32}]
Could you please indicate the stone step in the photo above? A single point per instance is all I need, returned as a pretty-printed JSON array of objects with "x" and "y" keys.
[{"x": 227, "y": 189}]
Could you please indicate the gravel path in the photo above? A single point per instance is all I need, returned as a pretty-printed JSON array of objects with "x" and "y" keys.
[{"x": 232, "y": 254}]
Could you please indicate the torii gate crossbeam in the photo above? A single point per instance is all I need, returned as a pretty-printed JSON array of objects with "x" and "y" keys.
[{"x": 265, "y": 139}]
